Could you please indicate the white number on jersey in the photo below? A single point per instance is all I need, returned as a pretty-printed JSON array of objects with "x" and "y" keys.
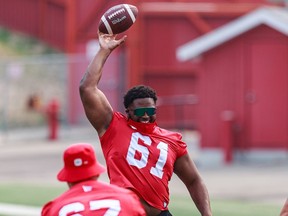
[
  {"x": 113, "y": 207},
  {"x": 134, "y": 146}
]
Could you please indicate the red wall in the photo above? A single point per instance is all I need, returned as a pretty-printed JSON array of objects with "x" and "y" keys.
[
  {"x": 21, "y": 15},
  {"x": 201, "y": 90},
  {"x": 252, "y": 63}
]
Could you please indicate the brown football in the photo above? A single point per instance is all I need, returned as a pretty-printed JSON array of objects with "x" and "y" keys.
[{"x": 118, "y": 19}]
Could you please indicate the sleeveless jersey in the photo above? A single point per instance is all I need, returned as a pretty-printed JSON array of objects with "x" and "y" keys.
[
  {"x": 94, "y": 198},
  {"x": 141, "y": 157}
]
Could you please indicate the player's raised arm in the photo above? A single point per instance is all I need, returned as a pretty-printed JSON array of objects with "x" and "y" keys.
[{"x": 97, "y": 108}]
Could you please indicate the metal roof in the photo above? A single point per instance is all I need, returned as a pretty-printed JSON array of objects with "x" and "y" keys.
[{"x": 274, "y": 17}]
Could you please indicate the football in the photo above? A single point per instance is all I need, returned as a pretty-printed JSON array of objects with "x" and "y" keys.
[{"x": 118, "y": 19}]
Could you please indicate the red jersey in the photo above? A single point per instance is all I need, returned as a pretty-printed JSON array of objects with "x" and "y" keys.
[
  {"x": 141, "y": 157},
  {"x": 94, "y": 198}
]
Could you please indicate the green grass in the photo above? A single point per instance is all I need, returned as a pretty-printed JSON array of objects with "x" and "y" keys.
[
  {"x": 29, "y": 194},
  {"x": 36, "y": 195},
  {"x": 183, "y": 206}
]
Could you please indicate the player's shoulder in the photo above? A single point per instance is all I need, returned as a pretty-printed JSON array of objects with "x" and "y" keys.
[
  {"x": 46, "y": 209},
  {"x": 175, "y": 140},
  {"x": 119, "y": 116},
  {"x": 169, "y": 133}
]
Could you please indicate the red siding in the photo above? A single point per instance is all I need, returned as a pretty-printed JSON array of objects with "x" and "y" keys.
[
  {"x": 54, "y": 25},
  {"x": 20, "y": 15},
  {"x": 250, "y": 63},
  {"x": 267, "y": 78},
  {"x": 220, "y": 80}
]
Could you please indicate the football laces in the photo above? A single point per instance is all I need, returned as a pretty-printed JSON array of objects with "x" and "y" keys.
[{"x": 116, "y": 13}]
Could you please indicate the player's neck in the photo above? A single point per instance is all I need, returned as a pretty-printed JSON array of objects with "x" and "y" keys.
[{"x": 142, "y": 127}]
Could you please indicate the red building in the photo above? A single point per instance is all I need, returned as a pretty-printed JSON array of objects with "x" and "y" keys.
[
  {"x": 245, "y": 71},
  {"x": 213, "y": 63}
]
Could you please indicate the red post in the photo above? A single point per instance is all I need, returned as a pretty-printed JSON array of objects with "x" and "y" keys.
[
  {"x": 52, "y": 112},
  {"x": 227, "y": 118}
]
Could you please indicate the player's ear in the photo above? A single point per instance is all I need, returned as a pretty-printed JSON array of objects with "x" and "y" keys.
[{"x": 127, "y": 111}]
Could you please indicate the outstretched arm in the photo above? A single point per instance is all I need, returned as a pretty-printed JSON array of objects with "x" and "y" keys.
[
  {"x": 97, "y": 108},
  {"x": 186, "y": 170},
  {"x": 284, "y": 210}
]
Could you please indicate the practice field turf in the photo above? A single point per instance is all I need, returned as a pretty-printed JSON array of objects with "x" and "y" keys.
[{"x": 34, "y": 195}]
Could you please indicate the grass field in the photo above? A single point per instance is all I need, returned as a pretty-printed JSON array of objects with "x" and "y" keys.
[{"x": 36, "y": 195}]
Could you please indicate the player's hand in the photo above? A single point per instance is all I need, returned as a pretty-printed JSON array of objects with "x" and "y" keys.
[{"x": 110, "y": 42}]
